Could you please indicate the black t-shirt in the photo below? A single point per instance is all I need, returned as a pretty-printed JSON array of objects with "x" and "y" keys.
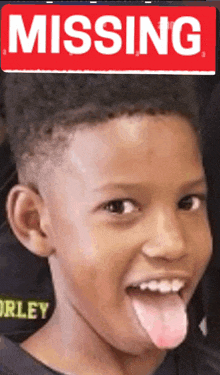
[
  {"x": 189, "y": 359},
  {"x": 23, "y": 277}
]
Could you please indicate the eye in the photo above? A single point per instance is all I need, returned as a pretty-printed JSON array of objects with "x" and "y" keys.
[
  {"x": 191, "y": 202},
  {"x": 120, "y": 207}
]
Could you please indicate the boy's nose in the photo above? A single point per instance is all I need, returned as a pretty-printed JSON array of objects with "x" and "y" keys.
[{"x": 167, "y": 239}]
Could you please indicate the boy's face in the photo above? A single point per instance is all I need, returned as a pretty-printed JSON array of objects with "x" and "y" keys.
[{"x": 127, "y": 211}]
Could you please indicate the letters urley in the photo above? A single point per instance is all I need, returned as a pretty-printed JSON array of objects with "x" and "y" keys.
[{"x": 12, "y": 308}]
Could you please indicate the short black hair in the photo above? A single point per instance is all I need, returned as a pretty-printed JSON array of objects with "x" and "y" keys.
[{"x": 39, "y": 104}]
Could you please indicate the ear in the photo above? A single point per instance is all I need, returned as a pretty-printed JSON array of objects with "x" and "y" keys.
[{"x": 29, "y": 219}]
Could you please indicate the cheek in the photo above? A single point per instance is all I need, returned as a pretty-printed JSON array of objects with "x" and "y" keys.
[
  {"x": 114, "y": 249},
  {"x": 89, "y": 255},
  {"x": 203, "y": 244},
  {"x": 73, "y": 250}
]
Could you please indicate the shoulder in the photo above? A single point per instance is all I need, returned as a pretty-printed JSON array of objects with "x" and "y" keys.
[{"x": 14, "y": 360}]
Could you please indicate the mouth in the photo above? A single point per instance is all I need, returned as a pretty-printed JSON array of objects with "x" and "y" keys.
[
  {"x": 162, "y": 286},
  {"x": 160, "y": 309}
]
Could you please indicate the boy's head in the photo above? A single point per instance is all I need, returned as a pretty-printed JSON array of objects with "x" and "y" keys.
[
  {"x": 114, "y": 194},
  {"x": 44, "y": 109}
]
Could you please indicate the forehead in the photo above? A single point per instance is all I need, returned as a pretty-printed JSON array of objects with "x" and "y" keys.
[
  {"x": 134, "y": 136},
  {"x": 132, "y": 131},
  {"x": 134, "y": 148}
]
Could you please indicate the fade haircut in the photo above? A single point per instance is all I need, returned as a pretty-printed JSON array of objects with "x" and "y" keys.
[{"x": 43, "y": 109}]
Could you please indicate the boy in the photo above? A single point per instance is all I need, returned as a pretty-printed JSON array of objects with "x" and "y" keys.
[{"x": 112, "y": 190}]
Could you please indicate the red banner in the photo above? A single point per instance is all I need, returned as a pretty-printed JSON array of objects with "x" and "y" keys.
[{"x": 114, "y": 39}]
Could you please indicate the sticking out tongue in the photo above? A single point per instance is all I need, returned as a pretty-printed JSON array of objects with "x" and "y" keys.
[{"x": 163, "y": 317}]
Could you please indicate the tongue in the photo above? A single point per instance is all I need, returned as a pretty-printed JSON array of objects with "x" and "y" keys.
[{"x": 163, "y": 317}]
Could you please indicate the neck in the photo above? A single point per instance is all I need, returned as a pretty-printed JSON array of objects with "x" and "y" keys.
[{"x": 68, "y": 344}]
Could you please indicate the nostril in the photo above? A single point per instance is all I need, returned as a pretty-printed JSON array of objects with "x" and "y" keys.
[{"x": 169, "y": 251}]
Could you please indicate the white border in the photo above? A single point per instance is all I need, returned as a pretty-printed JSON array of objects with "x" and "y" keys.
[{"x": 186, "y": 72}]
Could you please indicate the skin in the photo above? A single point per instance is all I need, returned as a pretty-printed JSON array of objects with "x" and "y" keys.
[{"x": 150, "y": 165}]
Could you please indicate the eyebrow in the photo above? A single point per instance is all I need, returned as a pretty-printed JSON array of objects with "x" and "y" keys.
[
  {"x": 120, "y": 185},
  {"x": 126, "y": 186},
  {"x": 193, "y": 184}
]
